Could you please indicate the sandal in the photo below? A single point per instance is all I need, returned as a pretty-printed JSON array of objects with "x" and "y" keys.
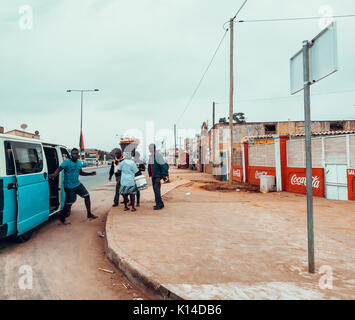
[
  {"x": 133, "y": 209},
  {"x": 126, "y": 209}
]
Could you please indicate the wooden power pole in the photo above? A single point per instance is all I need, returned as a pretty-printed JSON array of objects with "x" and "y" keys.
[
  {"x": 213, "y": 136},
  {"x": 175, "y": 145},
  {"x": 231, "y": 89}
]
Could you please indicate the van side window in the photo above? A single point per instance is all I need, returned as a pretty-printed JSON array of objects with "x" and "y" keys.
[
  {"x": 10, "y": 168},
  {"x": 28, "y": 158},
  {"x": 65, "y": 154}
]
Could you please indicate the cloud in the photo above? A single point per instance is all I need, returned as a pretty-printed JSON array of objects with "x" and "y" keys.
[{"x": 146, "y": 58}]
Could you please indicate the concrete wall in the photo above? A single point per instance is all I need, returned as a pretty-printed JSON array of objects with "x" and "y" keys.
[
  {"x": 282, "y": 128},
  {"x": 208, "y": 168}
]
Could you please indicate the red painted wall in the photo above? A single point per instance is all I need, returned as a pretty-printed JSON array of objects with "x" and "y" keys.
[
  {"x": 296, "y": 181},
  {"x": 351, "y": 183},
  {"x": 255, "y": 172},
  {"x": 246, "y": 160},
  {"x": 238, "y": 173},
  {"x": 283, "y": 160}
]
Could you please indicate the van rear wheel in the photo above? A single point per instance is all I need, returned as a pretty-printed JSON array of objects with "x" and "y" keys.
[{"x": 24, "y": 237}]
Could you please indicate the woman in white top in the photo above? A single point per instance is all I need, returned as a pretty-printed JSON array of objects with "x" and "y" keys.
[{"x": 128, "y": 186}]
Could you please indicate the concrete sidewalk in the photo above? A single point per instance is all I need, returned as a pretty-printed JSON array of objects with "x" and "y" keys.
[
  {"x": 235, "y": 245},
  {"x": 133, "y": 270}
]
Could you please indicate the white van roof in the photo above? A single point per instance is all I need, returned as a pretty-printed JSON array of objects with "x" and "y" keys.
[{"x": 17, "y": 138}]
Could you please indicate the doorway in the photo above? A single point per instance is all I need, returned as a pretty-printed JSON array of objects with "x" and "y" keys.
[
  {"x": 52, "y": 164},
  {"x": 336, "y": 184}
]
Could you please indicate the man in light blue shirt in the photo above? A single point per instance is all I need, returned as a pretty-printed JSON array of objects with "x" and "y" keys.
[{"x": 72, "y": 185}]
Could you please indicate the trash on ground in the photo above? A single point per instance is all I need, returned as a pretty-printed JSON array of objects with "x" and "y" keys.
[
  {"x": 238, "y": 190},
  {"x": 188, "y": 193},
  {"x": 127, "y": 285},
  {"x": 105, "y": 270},
  {"x": 101, "y": 234}
]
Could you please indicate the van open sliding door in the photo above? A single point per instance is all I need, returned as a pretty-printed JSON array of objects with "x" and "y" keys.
[{"x": 32, "y": 185}]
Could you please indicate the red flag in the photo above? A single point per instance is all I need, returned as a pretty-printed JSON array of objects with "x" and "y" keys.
[{"x": 81, "y": 142}]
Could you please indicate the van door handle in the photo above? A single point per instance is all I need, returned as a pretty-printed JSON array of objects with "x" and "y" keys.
[
  {"x": 12, "y": 186},
  {"x": 45, "y": 175}
]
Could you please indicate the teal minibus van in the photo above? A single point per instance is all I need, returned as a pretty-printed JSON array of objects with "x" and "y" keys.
[{"x": 27, "y": 196}]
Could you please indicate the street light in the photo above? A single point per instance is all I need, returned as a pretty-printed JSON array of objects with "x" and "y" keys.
[{"x": 81, "y": 142}]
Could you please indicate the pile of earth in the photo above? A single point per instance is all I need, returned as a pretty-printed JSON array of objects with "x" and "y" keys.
[{"x": 226, "y": 187}]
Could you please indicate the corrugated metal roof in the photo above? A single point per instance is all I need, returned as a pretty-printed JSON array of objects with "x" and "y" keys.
[
  {"x": 325, "y": 133},
  {"x": 320, "y": 133},
  {"x": 265, "y": 136}
]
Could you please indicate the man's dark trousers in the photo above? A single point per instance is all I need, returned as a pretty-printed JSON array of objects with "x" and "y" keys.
[
  {"x": 157, "y": 193},
  {"x": 117, "y": 195}
]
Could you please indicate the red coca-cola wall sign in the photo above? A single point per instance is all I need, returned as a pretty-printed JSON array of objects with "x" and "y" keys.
[
  {"x": 296, "y": 181},
  {"x": 254, "y": 173},
  {"x": 238, "y": 173},
  {"x": 351, "y": 184}
]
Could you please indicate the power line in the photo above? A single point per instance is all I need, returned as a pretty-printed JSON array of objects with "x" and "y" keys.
[
  {"x": 240, "y": 9},
  {"x": 203, "y": 75},
  {"x": 210, "y": 63},
  {"x": 289, "y": 97},
  {"x": 296, "y": 18}
]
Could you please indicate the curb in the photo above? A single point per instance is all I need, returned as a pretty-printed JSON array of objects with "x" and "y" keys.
[{"x": 135, "y": 272}]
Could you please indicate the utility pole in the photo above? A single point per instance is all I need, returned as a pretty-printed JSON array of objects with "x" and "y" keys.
[
  {"x": 231, "y": 90},
  {"x": 81, "y": 126},
  {"x": 81, "y": 140},
  {"x": 307, "y": 119},
  {"x": 175, "y": 145},
  {"x": 213, "y": 136}
]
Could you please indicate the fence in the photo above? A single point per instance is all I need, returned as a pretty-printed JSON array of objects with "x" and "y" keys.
[{"x": 333, "y": 165}]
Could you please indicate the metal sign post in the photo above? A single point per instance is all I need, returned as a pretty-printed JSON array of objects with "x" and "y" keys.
[
  {"x": 316, "y": 60},
  {"x": 308, "y": 133}
]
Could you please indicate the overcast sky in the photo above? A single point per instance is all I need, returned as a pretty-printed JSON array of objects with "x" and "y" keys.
[{"x": 147, "y": 56}]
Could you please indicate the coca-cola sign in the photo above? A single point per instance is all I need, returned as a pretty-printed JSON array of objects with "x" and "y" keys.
[
  {"x": 351, "y": 184},
  {"x": 301, "y": 180},
  {"x": 296, "y": 181},
  {"x": 254, "y": 173},
  {"x": 258, "y": 174},
  {"x": 236, "y": 173}
]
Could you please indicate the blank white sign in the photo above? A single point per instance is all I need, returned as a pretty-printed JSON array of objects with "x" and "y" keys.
[
  {"x": 323, "y": 59},
  {"x": 323, "y": 54},
  {"x": 296, "y": 72}
]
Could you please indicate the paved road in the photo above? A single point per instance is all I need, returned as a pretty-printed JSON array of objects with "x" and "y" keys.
[
  {"x": 92, "y": 182},
  {"x": 65, "y": 259}
]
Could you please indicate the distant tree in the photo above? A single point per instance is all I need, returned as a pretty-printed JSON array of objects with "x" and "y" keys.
[
  {"x": 222, "y": 120},
  {"x": 111, "y": 155},
  {"x": 239, "y": 117},
  {"x": 102, "y": 154}
]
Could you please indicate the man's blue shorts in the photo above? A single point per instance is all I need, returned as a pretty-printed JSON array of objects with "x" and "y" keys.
[{"x": 70, "y": 194}]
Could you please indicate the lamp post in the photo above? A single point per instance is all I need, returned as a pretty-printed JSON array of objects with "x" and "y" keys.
[{"x": 81, "y": 142}]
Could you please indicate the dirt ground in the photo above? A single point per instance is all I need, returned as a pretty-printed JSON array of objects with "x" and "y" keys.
[
  {"x": 65, "y": 259},
  {"x": 242, "y": 245}
]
